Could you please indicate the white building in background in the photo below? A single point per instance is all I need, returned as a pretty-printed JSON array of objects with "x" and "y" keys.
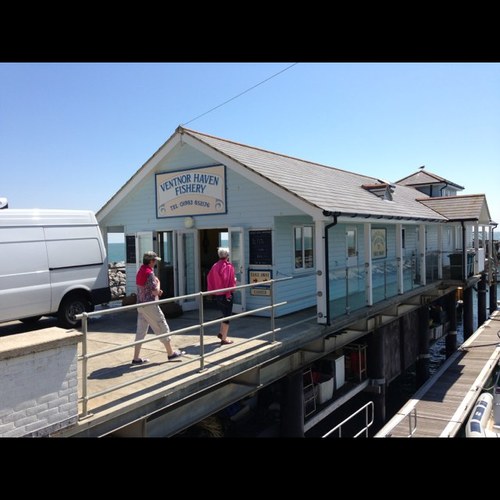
[{"x": 348, "y": 240}]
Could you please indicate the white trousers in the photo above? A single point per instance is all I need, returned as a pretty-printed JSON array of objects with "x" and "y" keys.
[{"x": 151, "y": 316}]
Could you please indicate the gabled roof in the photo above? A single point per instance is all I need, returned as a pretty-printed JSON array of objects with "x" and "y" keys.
[
  {"x": 310, "y": 185},
  {"x": 464, "y": 207},
  {"x": 324, "y": 187},
  {"x": 425, "y": 178}
]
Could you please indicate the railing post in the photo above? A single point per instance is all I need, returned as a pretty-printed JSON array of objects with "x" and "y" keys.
[
  {"x": 202, "y": 333},
  {"x": 367, "y": 420},
  {"x": 347, "y": 308},
  {"x": 413, "y": 271},
  {"x": 385, "y": 280},
  {"x": 84, "y": 366},
  {"x": 273, "y": 326}
]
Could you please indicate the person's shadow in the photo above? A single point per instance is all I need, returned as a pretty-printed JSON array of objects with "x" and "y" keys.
[{"x": 118, "y": 371}]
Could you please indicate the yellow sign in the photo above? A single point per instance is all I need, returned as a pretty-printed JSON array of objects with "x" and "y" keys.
[
  {"x": 198, "y": 191},
  {"x": 379, "y": 242},
  {"x": 257, "y": 277}
]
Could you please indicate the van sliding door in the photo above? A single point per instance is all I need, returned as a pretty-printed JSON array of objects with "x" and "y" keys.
[{"x": 24, "y": 274}]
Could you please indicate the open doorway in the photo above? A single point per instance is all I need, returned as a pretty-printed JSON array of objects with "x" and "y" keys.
[
  {"x": 210, "y": 240},
  {"x": 166, "y": 265}
]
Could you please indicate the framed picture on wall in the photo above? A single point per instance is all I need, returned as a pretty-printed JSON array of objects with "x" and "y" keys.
[{"x": 379, "y": 243}]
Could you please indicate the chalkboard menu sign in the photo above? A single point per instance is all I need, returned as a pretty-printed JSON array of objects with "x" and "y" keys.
[
  {"x": 130, "y": 249},
  {"x": 261, "y": 250}
]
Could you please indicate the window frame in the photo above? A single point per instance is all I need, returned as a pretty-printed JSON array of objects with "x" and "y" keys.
[
  {"x": 353, "y": 230},
  {"x": 303, "y": 248}
]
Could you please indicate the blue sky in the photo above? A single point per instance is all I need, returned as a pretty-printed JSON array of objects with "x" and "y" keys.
[{"x": 71, "y": 134}]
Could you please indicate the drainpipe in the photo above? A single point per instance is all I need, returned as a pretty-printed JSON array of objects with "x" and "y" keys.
[
  {"x": 464, "y": 252},
  {"x": 443, "y": 188},
  {"x": 335, "y": 216},
  {"x": 492, "y": 271}
]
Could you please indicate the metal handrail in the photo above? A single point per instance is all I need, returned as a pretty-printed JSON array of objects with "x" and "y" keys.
[
  {"x": 411, "y": 429},
  {"x": 201, "y": 326},
  {"x": 368, "y": 422}
]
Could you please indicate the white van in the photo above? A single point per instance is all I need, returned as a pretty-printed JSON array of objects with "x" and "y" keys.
[{"x": 52, "y": 262}]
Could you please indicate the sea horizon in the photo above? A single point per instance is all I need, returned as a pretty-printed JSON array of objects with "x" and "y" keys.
[{"x": 116, "y": 252}]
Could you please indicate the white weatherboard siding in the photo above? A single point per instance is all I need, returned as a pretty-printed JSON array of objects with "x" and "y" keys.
[
  {"x": 182, "y": 157},
  {"x": 337, "y": 260},
  {"x": 300, "y": 292},
  {"x": 449, "y": 242},
  {"x": 245, "y": 201},
  {"x": 411, "y": 246},
  {"x": 384, "y": 269},
  {"x": 431, "y": 238}
]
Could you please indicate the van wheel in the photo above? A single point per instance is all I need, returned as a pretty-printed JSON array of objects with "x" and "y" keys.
[
  {"x": 70, "y": 307},
  {"x": 30, "y": 320}
]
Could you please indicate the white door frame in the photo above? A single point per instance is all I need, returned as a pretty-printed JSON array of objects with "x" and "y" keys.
[
  {"x": 239, "y": 267},
  {"x": 187, "y": 304}
]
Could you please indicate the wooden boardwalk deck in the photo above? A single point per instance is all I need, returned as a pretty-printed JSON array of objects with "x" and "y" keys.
[{"x": 444, "y": 402}]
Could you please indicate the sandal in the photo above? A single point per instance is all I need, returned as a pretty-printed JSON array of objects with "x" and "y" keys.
[
  {"x": 226, "y": 342},
  {"x": 219, "y": 335},
  {"x": 176, "y": 354},
  {"x": 140, "y": 361}
]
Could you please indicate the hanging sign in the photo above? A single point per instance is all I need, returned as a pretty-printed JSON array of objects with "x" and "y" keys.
[
  {"x": 197, "y": 191},
  {"x": 257, "y": 277}
]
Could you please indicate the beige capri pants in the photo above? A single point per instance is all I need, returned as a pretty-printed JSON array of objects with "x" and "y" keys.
[{"x": 151, "y": 316}]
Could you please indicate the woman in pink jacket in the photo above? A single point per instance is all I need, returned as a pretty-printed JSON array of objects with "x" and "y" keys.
[
  {"x": 148, "y": 290},
  {"x": 221, "y": 275}
]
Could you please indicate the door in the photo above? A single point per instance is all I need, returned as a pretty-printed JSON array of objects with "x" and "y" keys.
[
  {"x": 143, "y": 244},
  {"x": 237, "y": 258},
  {"x": 167, "y": 253},
  {"x": 188, "y": 274}
]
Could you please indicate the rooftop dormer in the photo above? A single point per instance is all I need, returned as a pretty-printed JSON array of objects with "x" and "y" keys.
[
  {"x": 430, "y": 184},
  {"x": 382, "y": 189}
]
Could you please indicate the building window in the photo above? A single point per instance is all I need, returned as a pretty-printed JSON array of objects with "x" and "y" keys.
[
  {"x": 303, "y": 242},
  {"x": 458, "y": 237},
  {"x": 352, "y": 246},
  {"x": 403, "y": 238}
]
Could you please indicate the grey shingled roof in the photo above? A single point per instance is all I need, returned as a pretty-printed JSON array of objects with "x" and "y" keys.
[
  {"x": 425, "y": 178},
  {"x": 324, "y": 187},
  {"x": 472, "y": 207}
]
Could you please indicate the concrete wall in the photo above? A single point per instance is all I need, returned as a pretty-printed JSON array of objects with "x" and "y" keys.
[
  {"x": 408, "y": 326},
  {"x": 38, "y": 382}
]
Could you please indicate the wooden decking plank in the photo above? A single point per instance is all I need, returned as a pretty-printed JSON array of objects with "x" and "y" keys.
[{"x": 442, "y": 403}]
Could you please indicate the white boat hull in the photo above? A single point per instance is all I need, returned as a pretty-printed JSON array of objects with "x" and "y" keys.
[{"x": 480, "y": 423}]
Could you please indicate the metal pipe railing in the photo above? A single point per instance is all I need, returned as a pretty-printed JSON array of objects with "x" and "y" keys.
[
  {"x": 368, "y": 421},
  {"x": 412, "y": 428},
  {"x": 201, "y": 326},
  {"x": 84, "y": 367}
]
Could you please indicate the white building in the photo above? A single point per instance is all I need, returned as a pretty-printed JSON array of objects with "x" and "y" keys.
[{"x": 348, "y": 240}]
